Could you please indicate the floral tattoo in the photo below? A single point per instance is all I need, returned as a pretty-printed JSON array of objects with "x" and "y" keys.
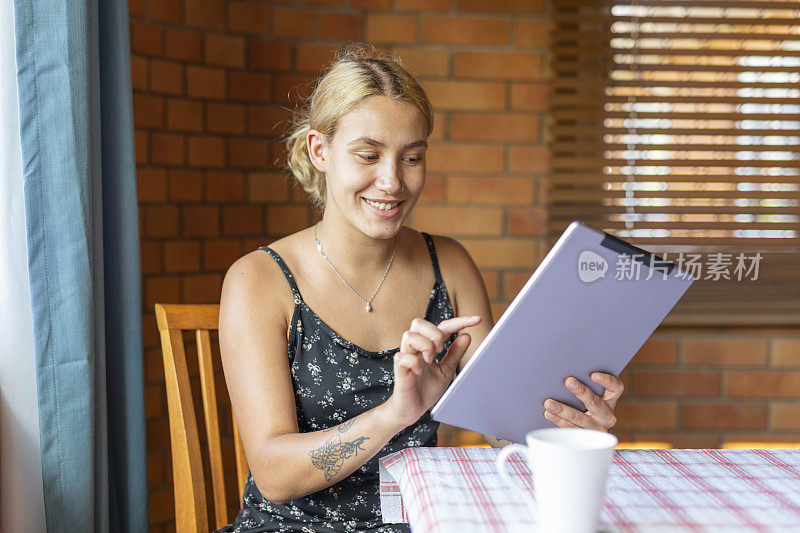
[{"x": 330, "y": 457}]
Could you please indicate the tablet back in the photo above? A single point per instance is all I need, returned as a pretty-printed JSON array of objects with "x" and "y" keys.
[{"x": 588, "y": 307}]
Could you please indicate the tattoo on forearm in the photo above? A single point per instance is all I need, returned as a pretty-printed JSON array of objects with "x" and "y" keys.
[
  {"x": 330, "y": 457},
  {"x": 344, "y": 426}
]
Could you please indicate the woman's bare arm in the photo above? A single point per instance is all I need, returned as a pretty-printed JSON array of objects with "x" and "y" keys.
[
  {"x": 469, "y": 297},
  {"x": 285, "y": 464}
]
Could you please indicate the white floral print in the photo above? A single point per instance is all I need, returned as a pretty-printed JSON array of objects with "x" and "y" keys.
[{"x": 335, "y": 380}]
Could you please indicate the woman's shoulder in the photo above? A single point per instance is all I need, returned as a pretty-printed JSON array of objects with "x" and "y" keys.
[
  {"x": 257, "y": 280},
  {"x": 292, "y": 249},
  {"x": 452, "y": 254},
  {"x": 459, "y": 272},
  {"x": 259, "y": 264},
  {"x": 446, "y": 249}
]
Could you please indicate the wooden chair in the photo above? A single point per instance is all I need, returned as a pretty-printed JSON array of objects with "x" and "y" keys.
[{"x": 187, "y": 467}]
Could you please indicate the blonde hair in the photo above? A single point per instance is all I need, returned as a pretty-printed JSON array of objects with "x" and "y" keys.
[{"x": 357, "y": 71}]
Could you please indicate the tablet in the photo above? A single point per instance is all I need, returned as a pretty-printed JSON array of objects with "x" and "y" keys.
[{"x": 589, "y": 306}]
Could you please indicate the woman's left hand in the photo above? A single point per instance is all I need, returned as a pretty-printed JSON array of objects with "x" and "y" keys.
[{"x": 599, "y": 412}]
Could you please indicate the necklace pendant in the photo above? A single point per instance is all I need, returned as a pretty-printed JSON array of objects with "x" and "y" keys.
[{"x": 368, "y": 306}]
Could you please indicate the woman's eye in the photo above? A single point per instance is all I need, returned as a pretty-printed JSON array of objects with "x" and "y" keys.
[{"x": 375, "y": 157}]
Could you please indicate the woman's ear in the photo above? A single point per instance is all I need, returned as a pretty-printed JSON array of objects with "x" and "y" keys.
[{"x": 317, "y": 150}]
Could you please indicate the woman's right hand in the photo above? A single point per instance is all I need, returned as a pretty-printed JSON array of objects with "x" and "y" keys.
[{"x": 419, "y": 381}]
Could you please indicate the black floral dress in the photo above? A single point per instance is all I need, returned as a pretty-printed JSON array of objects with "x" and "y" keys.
[{"x": 335, "y": 380}]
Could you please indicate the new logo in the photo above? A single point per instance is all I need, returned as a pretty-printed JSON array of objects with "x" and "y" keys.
[{"x": 591, "y": 266}]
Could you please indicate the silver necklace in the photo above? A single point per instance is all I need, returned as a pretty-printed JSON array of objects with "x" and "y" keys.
[{"x": 367, "y": 303}]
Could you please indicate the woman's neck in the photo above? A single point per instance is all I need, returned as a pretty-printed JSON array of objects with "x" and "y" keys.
[{"x": 349, "y": 248}]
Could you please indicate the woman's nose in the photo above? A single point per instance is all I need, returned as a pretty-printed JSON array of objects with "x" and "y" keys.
[{"x": 389, "y": 180}]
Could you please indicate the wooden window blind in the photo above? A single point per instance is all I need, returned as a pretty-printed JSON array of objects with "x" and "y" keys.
[{"x": 676, "y": 126}]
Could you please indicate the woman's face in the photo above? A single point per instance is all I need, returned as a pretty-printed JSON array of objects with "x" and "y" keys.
[{"x": 375, "y": 165}]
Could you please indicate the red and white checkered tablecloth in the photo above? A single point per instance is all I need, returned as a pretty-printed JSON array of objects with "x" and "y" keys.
[{"x": 459, "y": 490}]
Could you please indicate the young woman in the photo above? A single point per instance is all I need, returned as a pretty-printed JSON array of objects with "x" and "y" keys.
[{"x": 337, "y": 340}]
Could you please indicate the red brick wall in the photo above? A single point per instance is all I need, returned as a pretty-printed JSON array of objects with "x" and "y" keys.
[
  {"x": 211, "y": 79},
  {"x": 702, "y": 388}
]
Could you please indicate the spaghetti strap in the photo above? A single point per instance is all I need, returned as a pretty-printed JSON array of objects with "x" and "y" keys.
[
  {"x": 334, "y": 380},
  {"x": 286, "y": 272},
  {"x": 434, "y": 259}
]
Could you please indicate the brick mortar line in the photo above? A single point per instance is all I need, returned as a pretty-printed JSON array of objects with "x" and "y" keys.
[{"x": 320, "y": 10}]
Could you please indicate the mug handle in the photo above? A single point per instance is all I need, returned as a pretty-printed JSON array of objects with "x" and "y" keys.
[{"x": 502, "y": 459}]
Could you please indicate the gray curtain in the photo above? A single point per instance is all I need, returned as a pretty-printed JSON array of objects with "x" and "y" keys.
[{"x": 76, "y": 126}]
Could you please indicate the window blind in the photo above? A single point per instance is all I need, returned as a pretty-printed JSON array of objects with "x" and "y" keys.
[{"x": 675, "y": 125}]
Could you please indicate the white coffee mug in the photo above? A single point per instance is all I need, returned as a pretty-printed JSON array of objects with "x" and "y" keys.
[{"x": 570, "y": 467}]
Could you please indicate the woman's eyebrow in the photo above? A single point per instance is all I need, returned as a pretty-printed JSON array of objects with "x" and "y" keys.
[{"x": 373, "y": 142}]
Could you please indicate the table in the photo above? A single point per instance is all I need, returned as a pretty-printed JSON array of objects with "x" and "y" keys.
[{"x": 459, "y": 490}]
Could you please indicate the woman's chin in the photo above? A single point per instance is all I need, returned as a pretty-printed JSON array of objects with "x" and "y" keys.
[{"x": 382, "y": 228}]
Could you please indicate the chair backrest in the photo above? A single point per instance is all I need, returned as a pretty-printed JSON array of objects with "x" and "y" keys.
[{"x": 187, "y": 466}]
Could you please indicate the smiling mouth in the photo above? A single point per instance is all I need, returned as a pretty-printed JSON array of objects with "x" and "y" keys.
[{"x": 383, "y": 206}]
